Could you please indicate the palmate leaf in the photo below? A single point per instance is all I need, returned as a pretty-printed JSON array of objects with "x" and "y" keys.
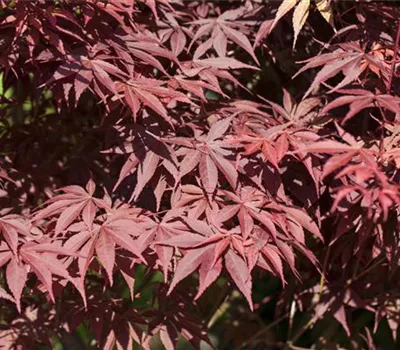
[
  {"x": 148, "y": 92},
  {"x": 358, "y": 100},
  {"x": 74, "y": 202},
  {"x": 222, "y": 28}
]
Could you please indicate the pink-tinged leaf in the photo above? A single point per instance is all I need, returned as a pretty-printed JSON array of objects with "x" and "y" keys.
[
  {"x": 223, "y": 63},
  {"x": 340, "y": 316},
  {"x": 220, "y": 248},
  {"x": 90, "y": 187},
  {"x": 151, "y": 101},
  {"x": 328, "y": 146},
  {"x": 356, "y": 107},
  {"x": 306, "y": 106},
  {"x": 16, "y": 275},
  {"x": 263, "y": 32},
  {"x": 289, "y": 256},
  {"x": 281, "y": 147},
  {"x": 265, "y": 219},
  {"x": 187, "y": 240},
  {"x": 145, "y": 172},
  {"x": 126, "y": 242},
  {"x": 240, "y": 274},
  {"x": 127, "y": 168},
  {"x": 101, "y": 75},
  {"x": 208, "y": 274},
  {"x": 246, "y": 222},
  {"x": 68, "y": 216},
  {"x": 53, "y": 209},
  {"x": 274, "y": 260},
  {"x": 88, "y": 214},
  {"x": 188, "y": 264},
  {"x": 219, "y": 42},
  {"x": 166, "y": 339},
  {"x": 87, "y": 251},
  {"x": 49, "y": 248},
  {"x": 159, "y": 191},
  {"x": 239, "y": 39},
  {"x": 130, "y": 281},
  {"x": 178, "y": 42},
  {"x": 331, "y": 70},
  {"x": 10, "y": 236},
  {"x": 41, "y": 270},
  {"x": 228, "y": 212},
  {"x": 218, "y": 129},
  {"x": 351, "y": 72},
  {"x": 5, "y": 256},
  {"x": 199, "y": 226},
  {"x": 304, "y": 220},
  {"x": 105, "y": 250},
  {"x": 15, "y": 222},
  {"x": 82, "y": 82},
  {"x": 203, "y": 48},
  {"x": 341, "y": 101},
  {"x": 202, "y": 31},
  {"x": 73, "y": 189},
  {"x": 132, "y": 101},
  {"x": 336, "y": 162},
  {"x": 226, "y": 167},
  {"x": 189, "y": 162},
  {"x": 208, "y": 173}
]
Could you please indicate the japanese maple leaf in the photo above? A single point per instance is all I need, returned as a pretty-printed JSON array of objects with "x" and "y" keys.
[
  {"x": 206, "y": 250},
  {"x": 222, "y": 28},
  {"x": 119, "y": 227},
  {"x": 172, "y": 31},
  {"x": 144, "y": 48},
  {"x": 348, "y": 59},
  {"x": 249, "y": 202},
  {"x": 210, "y": 70},
  {"x": 195, "y": 200},
  {"x": 380, "y": 53},
  {"x": 343, "y": 152},
  {"x": 196, "y": 87},
  {"x": 12, "y": 226},
  {"x": 169, "y": 226},
  {"x": 209, "y": 155},
  {"x": 297, "y": 113},
  {"x": 273, "y": 148},
  {"x": 369, "y": 188},
  {"x": 74, "y": 202},
  {"x": 86, "y": 69},
  {"x": 147, "y": 153},
  {"x": 39, "y": 257},
  {"x": 359, "y": 99},
  {"x": 149, "y": 93}
]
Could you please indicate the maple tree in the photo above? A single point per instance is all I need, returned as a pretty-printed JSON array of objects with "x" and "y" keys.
[{"x": 174, "y": 170}]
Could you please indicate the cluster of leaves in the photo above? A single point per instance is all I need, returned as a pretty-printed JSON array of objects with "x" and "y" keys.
[{"x": 143, "y": 145}]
